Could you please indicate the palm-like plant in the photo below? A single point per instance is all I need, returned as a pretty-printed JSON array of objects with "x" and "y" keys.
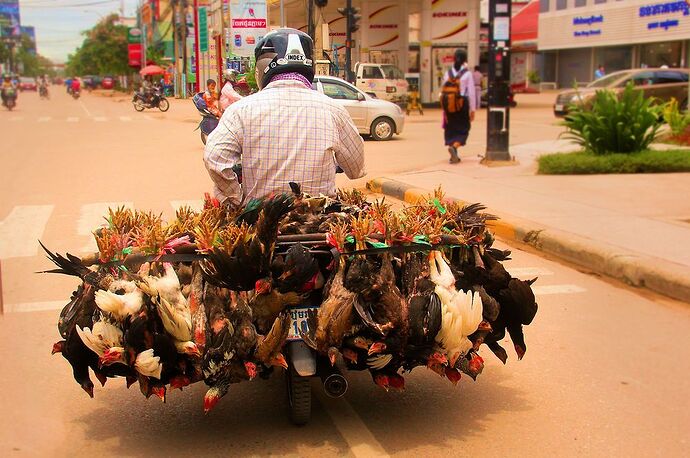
[{"x": 615, "y": 123}]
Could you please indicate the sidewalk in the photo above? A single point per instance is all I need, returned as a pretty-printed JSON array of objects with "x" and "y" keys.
[{"x": 613, "y": 224}]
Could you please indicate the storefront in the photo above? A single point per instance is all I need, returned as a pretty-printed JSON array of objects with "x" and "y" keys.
[{"x": 576, "y": 36}]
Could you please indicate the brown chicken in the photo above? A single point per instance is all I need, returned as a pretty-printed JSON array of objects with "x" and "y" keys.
[{"x": 268, "y": 348}]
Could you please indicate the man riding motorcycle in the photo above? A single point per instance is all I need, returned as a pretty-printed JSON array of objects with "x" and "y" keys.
[
  {"x": 8, "y": 90},
  {"x": 75, "y": 86},
  {"x": 228, "y": 95},
  {"x": 285, "y": 133}
]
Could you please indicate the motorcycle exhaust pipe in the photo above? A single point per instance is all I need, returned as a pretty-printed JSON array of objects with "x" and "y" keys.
[{"x": 334, "y": 384}]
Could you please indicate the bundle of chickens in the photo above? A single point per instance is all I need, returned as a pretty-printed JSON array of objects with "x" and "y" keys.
[{"x": 208, "y": 296}]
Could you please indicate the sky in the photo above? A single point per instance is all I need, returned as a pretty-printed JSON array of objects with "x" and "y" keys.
[{"x": 59, "y": 23}]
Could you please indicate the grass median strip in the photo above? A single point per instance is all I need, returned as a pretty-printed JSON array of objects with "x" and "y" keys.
[{"x": 583, "y": 163}]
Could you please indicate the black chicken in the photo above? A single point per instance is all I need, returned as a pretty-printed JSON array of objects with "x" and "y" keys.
[{"x": 250, "y": 260}]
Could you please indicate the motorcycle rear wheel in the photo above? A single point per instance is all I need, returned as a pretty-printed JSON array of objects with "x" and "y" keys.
[{"x": 138, "y": 105}]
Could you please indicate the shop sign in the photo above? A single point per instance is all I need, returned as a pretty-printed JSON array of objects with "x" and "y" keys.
[
  {"x": 383, "y": 27},
  {"x": 449, "y": 22},
  {"x": 146, "y": 14},
  {"x": 134, "y": 35},
  {"x": 587, "y": 21},
  {"x": 662, "y": 9},
  {"x": 248, "y": 24},
  {"x": 203, "y": 30},
  {"x": 134, "y": 55}
]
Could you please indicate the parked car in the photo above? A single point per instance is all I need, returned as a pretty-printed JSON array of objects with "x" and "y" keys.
[
  {"x": 378, "y": 118},
  {"x": 661, "y": 83},
  {"x": 27, "y": 84},
  {"x": 383, "y": 81},
  {"x": 108, "y": 82}
]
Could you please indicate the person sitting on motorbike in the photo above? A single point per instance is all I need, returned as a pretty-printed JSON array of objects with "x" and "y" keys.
[
  {"x": 75, "y": 85},
  {"x": 228, "y": 95},
  {"x": 7, "y": 88},
  {"x": 211, "y": 99},
  {"x": 287, "y": 132}
]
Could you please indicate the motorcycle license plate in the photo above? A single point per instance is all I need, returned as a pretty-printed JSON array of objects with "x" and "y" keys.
[
  {"x": 559, "y": 107},
  {"x": 298, "y": 322}
]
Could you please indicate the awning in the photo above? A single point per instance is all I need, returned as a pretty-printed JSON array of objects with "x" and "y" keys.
[{"x": 524, "y": 26}]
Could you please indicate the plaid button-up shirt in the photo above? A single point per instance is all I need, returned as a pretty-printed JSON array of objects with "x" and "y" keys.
[{"x": 284, "y": 133}]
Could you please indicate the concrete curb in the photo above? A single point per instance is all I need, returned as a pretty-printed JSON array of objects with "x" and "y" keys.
[{"x": 664, "y": 277}]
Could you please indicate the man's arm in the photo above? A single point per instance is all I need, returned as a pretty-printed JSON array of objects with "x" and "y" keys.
[
  {"x": 224, "y": 150},
  {"x": 349, "y": 150}
]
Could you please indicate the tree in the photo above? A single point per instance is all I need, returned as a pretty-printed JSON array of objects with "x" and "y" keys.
[{"x": 103, "y": 52}]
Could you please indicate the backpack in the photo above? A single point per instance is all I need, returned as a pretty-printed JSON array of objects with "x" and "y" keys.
[{"x": 451, "y": 99}]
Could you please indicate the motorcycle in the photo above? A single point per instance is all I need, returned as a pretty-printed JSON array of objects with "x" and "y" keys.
[
  {"x": 43, "y": 92},
  {"x": 75, "y": 94},
  {"x": 141, "y": 101},
  {"x": 208, "y": 121},
  {"x": 9, "y": 98}
]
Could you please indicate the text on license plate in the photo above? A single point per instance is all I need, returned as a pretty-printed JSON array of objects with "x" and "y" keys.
[
  {"x": 298, "y": 322},
  {"x": 559, "y": 107}
]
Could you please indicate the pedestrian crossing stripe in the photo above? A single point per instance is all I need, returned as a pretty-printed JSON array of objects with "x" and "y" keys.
[
  {"x": 125, "y": 118},
  {"x": 72, "y": 119},
  {"x": 100, "y": 118},
  {"x": 44, "y": 119},
  {"x": 92, "y": 216},
  {"x": 196, "y": 204},
  {"x": 543, "y": 290},
  {"x": 529, "y": 272},
  {"x": 21, "y": 228}
]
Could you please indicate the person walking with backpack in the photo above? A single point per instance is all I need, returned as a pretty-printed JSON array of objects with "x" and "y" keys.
[{"x": 459, "y": 102}]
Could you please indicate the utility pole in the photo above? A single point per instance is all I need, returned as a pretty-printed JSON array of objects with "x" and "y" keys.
[
  {"x": 352, "y": 18},
  {"x": 498, "y": 110},
  {"x": 310, "y": 19}
]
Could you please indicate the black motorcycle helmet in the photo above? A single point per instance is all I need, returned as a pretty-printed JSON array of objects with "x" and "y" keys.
[{"x": 294, "y": 51}]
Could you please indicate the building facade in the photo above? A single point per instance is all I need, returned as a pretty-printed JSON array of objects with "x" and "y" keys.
[{"x": 576, "y": 36}]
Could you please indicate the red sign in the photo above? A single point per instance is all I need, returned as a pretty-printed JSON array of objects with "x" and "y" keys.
[
  {"x": 249, "y": 23},
  {"x": 134, "y": 54}
]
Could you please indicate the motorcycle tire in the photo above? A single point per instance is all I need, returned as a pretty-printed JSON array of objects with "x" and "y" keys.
[
  {"x": 138, "y": 106},
  {"x": 299, "y": 397},
  {"x": 204, "y": 137},
  {"x": 163, "y": 104}
]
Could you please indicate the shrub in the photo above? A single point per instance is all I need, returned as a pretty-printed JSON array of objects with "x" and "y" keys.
[
  {"x": 615, "y": 123},
  {"x": 676, "y": 120},
  {"x": 587, "y": 163},
  {"x": 533, "y": 77}
]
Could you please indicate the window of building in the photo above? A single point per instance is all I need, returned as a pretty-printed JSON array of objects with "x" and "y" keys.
[
  {"x": 561, "y": 4},
  {"x": 580, "y": 3},
  {"x": 613, "y": 58},
  {"x": 543, "y": 6},
  {"x": 658, "y": 54},
  {"x": 599, "y": 1}
]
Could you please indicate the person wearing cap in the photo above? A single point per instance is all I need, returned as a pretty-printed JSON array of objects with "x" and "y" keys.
[
  {"x": 228, "y": 94},
  {"x": 287, "y": 132}
]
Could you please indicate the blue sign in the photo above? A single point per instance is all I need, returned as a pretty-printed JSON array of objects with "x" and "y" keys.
[
  {"x": 586, "y": 33},
  {"x": 588, "y": 20},
  {"x": 663, "y": 24},
  {"x": 680, "y": 6}
]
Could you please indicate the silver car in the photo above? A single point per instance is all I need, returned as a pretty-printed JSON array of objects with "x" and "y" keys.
[{"x": 375, "y": 117}]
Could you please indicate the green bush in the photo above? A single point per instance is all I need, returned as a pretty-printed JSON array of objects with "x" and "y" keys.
[
  {"x": 676, "y": 120},
  {"x": 533, "y": 77},
  {"x": 615, "y": 123},
  {"x": 642, "y": 162}
]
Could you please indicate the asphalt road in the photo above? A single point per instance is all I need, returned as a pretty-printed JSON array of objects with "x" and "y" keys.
[{"x": 605, "y": 373}]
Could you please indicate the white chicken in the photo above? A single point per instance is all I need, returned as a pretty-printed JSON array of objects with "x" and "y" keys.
[
  {"x": 103, "y": 337},
  {"x": 149, "y": 365},
  {"x": 461, "y": 312},
  {"x": 172, "y": 306},
  {"x": 120, "y": 306}
]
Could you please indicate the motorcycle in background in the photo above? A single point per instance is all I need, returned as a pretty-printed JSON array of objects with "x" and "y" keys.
[
  {"x": 43, "y": 92},
  {"x": 75, "y": 93},
  {"x": 208, "y": 121},
  {"x": 155, "y": 99},
  {"x": 9, "y": 98}
]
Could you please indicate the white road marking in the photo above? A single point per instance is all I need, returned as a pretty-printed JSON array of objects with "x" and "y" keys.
[
  {"x": 86, "y": 110},
  {"x": 529, "y": 272},
  {"x": 92, "y": 216},
  {"x": 125, "y": 118},
  {"x": 100, "y": 119},
  {"x": 197, "y": 204},
  {"x": 543, "y": 290},
  {"x": 148, "y": 118},
  {"x": 34, "y": 306},
  {"x": 361, "y": 441},
  {"x": 44, "y": 119},
  {"x": 72, "y": 119},
  {"x": 16, "y": 118},
  {"x": 21, "y": 229}
]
